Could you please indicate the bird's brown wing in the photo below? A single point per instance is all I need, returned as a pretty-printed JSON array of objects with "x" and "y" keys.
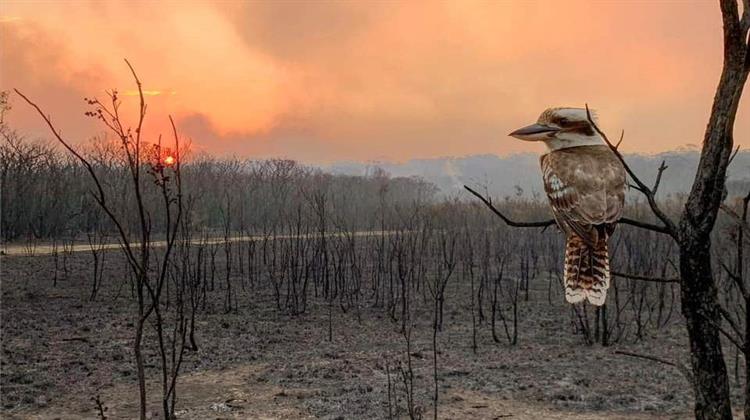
[{"x": 586, "y": 188}]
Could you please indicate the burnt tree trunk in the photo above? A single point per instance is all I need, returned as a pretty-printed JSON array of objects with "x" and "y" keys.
[
  {"x": 699, "y": 295},
  {"x": 701, "y": 311}
]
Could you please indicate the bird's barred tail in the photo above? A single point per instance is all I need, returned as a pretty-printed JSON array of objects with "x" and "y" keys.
[{"x": 586, "y": 271}]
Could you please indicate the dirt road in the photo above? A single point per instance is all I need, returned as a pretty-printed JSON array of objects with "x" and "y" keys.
[{"x": 31, "y": 250}]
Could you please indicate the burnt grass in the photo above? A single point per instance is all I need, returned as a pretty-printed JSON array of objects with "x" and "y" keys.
[{"x": 59, "y": 350}]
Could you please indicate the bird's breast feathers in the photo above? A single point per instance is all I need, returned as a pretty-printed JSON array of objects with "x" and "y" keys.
[{"x": 585, "y": 186}]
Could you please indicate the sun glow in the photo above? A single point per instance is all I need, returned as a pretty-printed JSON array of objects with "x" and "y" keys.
[
  {"x": 170, "y": 161},
  {"x": 361, "y": 81}
]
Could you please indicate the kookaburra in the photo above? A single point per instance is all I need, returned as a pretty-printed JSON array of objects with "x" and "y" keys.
[{"x": 585, "y": 183}]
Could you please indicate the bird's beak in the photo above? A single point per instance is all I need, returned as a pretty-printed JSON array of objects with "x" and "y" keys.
[{"x": 534, "y": 132}]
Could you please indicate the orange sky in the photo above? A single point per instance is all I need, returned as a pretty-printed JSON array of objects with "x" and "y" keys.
[{"x": 322, "y": 82}]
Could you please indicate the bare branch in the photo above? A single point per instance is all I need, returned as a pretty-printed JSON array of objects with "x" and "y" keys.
[
  {"x": 644, "y": 225},
  {"x": 734, "y": 155},
  {"x": 652, "y": 358},
  {"x": 646, "y": 278},
  {"x": 547, "y": 223},
  {"x": 728, "y": 317},
  {"x": 663, "y": 167},
  {"x": 737, "y": 280},
  {"x": 669, "y": 226},
  {"x": 141, "y": 108},
  {"x": 619, "y": 142},
  {"x": 487, "y": 202},
  {"x": 678, "y": 366},
  {"x": 736, "y": 217},
  {"x": 734, "y": 340}
]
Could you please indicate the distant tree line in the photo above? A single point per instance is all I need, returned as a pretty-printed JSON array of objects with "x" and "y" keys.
[{"x": 45, "y": 193}]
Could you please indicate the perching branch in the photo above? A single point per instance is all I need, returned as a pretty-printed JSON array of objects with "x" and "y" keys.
[
  {"x": 644, "y": 225},
  {"x": 547, "y": 223},
  {"x": 488, "y": 202}
]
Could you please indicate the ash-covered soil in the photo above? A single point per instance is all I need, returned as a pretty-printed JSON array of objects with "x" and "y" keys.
[{"x": 60, "y": 350}]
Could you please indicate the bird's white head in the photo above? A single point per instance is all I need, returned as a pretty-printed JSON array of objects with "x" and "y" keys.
[{"x": 560, "y": 128}]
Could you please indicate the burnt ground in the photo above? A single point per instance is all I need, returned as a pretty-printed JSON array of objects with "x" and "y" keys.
[{"x": 59, "y": 351}]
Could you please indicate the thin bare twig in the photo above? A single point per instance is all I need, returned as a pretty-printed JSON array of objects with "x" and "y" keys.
[
  {"x": 737, "y": 218},
  {"x": 737, "y": 279},
  {"x": 735, "y": 328},
  {"x": 734, "y": 155},
  {"x": 678, "y": 366},
  {"x": 669, "y": 226},
  {"x": 663, "y": 167}
]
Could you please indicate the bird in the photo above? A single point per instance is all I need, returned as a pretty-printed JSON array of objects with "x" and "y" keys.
[{"x": 585, "y": 183}]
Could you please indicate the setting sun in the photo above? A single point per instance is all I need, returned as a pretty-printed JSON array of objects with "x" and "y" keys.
[{"x": 361, "y": 81}]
